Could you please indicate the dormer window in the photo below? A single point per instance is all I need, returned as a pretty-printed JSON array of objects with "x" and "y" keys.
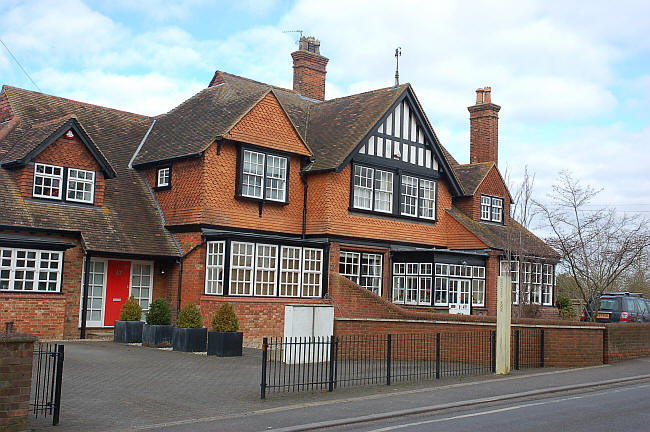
[
  {"x": 81, "y": 186},
  {"x": 48, "y": 183},
  {"x": 264, "y": 176},
  {"x": 163, "y": 177},
  {"x": 491, "y": 208},
  {"x": 48, "y": 180}
]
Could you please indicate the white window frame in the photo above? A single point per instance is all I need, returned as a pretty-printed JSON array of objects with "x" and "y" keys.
[
  {"x": 399, "y": 282},
  {"x": 548, "y": 285},
  {"x": 365, "y": 177},
  {"x": 354, "y": 264},
  {"x": 215, "y": 267},
  {"x": 486, "y": 207},
  {"x": 132, "y": 286},
  {"x": 351, "y": 262},
  {"x": 267, "y": 178},
  {"x": 51, "y": 177},
  {"x": 427, "y": 187},
  {"x": 404, "y": 187},
  {"x": 266, "y": 270},
  {"x": 309, "y": 272},
  {"x": 246, "y": 283},
  {"x": 497, "y": 209},
  {"x": 383, "y": 188},
  {"x": 478, "y": 292},
  {"x": 163, "y": 177},
  {"x": 79, "y": 181},
  {"x": 89, "y": 322},
  {"x": 253, "y": 175},
  {"x": 36, "y": 270},
  {"x": 290, "y": 278}
]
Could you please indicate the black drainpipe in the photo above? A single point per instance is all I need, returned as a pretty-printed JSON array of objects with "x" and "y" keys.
[
  {"x": 84, "y": 306},
  {"x": 304, "y": 204},
  {"x": 178, "y": 295}
]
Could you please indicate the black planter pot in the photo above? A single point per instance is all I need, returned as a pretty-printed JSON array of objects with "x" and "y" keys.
[
  {"x": 189, "y": 339},
  {"x": 225, "y": 344},
  {"x": 157, "y": 336},
  {"x": 127, "y": 331}
]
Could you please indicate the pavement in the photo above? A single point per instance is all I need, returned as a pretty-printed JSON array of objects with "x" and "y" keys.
[{"x": 115, "y": 387}]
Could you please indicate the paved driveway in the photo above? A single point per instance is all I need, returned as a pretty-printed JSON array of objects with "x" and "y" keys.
[{"x": 109, "y": 386}]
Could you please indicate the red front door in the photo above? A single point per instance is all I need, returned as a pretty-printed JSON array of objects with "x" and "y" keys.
[{"x": 117, "y": 289}]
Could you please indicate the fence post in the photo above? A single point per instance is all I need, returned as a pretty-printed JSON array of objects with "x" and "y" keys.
[
  {"x": 517, "y": 349},
  {"x": 541, "y": 360},
  {"x": 265, "y": 347},
  {"x": 389, "y": 344},
  {"x": 57, "y": 389},
  {"x": 493, "y": 337},
  {"x": 437, "y": 355},
  {"x": 331, "y": 380}
]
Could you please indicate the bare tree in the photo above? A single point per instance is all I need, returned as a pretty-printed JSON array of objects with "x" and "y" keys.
[
  {"x": 522, "y": 209},
  {"x": 597, "y": 246}
]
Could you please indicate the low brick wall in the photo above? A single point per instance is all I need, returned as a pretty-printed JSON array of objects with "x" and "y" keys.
[
  {"x": 38, "y": 314},
  {"x": 360, "y": 312},
  {"x": 626, "y": 341},
  {"x": 258, "y": 317},
  {"x": 16, "y": 356}
]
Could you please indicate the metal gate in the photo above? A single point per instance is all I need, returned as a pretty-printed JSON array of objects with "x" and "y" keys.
[{"x": 47, "y": 374}]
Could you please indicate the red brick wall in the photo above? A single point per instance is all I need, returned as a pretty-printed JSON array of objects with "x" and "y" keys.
[
  {"x": 258, "y": 317},
  {"x": 16, "y": 356},
  {"x": 203, "y": 191},
  {"x": 492, "y": 185},
  {"x": 5, "y": 109},
  {"x": 268, "y": 126},
  {"x": 38, "y": 314},
  {"x": 358, "y": 311},
  {"x": 626, "y": 341}
]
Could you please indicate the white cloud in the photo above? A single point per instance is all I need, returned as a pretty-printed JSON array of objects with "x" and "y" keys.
[{"x": 149, "y": 94}]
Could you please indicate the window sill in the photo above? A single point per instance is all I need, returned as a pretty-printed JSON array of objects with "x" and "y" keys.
[
  {"x": 260, "y": 299},
  {"x": 162, "y": 188},
  {"x": 31, "y": 294},
  {"x": 390, "y": 216},
  {"x": 261, "y": 200},
  {"x": 61, "y": 202}
]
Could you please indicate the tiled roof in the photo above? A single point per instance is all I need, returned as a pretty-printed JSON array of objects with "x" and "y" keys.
[
  {"x": 128, "y": 222},
  {"x": 471, "y": 175},
  {"x": 504, "y": 237}
]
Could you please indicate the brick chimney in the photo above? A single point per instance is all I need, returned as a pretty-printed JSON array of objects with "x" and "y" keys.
[
  {"x": 309, "y": 69},
  {"x": 484, "y": 128}
]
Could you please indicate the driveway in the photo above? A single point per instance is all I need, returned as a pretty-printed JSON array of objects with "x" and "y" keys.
[{"x": 110, "y": 386}]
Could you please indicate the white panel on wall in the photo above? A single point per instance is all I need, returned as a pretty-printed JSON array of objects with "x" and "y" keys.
[
  {"x": 389, "y": 124},
  {"x": 389, "y": 149},
  {"x": 304, "y": 321},
  {"x": 371, "y": 146},
  {"x": 428, "y": 158},
  {"x": 405, "y": 133},
  {"x": 397, "y": 121},
  {"x": 380, "y": 147}
]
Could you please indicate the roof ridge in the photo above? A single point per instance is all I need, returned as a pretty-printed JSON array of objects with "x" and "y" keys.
[
  {"x": 363, "y": 93},
  {"x": 258, "y": 82},
  {"x": 76, "y": 101}
]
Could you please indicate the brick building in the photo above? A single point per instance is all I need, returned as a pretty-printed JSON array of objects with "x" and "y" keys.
[{"x": 251, "y": 194}]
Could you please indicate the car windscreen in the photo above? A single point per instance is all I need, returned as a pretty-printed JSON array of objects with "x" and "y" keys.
[{"x": 610, "y": 304}]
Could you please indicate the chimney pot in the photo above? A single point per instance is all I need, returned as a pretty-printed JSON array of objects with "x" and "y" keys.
[
  {"x": 487, "y": 98},
  {"x": 479, "y": 96}
]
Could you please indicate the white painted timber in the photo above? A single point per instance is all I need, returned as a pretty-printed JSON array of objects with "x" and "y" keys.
[{"x": 504, "y": 302}]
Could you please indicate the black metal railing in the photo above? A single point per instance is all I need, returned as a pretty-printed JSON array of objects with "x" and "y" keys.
[
  {"x": 47, "y": 375},
  {"x": 527, "y": 348},
  {"x": 320, "y": 363}
]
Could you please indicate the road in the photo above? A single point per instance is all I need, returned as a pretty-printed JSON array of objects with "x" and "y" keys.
[{"x": 621, "y": 407}]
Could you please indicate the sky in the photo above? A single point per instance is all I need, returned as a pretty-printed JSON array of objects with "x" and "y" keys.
[{"x": 572, "y": 77}]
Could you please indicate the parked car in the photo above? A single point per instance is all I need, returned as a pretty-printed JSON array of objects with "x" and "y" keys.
[{"x": 619, "y": 307}]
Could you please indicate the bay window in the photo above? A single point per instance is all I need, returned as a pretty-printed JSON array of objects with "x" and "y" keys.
[
  {"x": 266, "y": 270},
  {"x": 450, "y": 278},
  {"x": 535, "y": 279}
]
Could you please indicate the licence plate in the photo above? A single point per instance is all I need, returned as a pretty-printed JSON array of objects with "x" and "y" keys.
[{"x": 602, "y": 315}]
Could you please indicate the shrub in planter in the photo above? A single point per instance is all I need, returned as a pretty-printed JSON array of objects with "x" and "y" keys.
[
  {"x": 224, "y": 340},
  {"x": 189, "y": 336},
  {"x": 157, "y": 332},
  {"x": 128, "y": 329}
]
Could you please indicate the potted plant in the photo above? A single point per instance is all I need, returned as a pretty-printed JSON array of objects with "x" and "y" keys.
[
  {"x": 224, "y": 340},
  {"x": 157, "y": 331},
  {"x": 128, "y": 329},
  {"x": 189, "y": 335}
]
